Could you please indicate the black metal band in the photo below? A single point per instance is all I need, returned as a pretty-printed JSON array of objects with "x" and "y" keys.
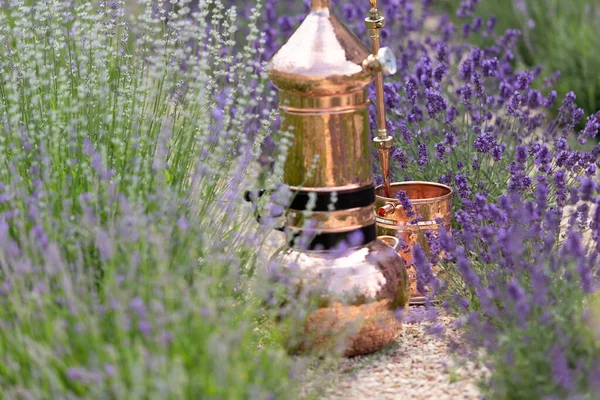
[
  {"x": 328, "y": 241},
  {"x": 362, "y": 197}
]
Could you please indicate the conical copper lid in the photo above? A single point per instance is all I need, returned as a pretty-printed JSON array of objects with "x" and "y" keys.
[{"x": 321, "y": 58}]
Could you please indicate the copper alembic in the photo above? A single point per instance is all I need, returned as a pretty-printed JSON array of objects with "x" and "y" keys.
[{"x": 322, "y": 74}]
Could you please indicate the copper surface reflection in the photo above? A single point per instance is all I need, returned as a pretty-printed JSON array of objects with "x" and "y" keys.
[{"x": 431, "y": 202}]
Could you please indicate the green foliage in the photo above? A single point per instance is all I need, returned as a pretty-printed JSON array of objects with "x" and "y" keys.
[{"x": 126, "y": 249}]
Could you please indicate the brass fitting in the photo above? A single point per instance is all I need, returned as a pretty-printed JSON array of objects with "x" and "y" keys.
[
  {"x": 384, "y": 62},
  {"x": 374, "y": 20},
  {"x": 383, "y": 142}
]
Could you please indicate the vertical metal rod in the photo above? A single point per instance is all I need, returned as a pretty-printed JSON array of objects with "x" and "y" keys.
[
  {"x": 319, "y": 4},
  {"x": 382, "y": 135},
  {"x": 382, "y": 131}
]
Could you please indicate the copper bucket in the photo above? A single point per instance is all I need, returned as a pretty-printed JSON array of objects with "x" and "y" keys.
[{"x": 431, "y": 202}]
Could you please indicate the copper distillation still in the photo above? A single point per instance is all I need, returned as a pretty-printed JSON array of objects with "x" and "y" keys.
[{"x": 322, "y": 75}]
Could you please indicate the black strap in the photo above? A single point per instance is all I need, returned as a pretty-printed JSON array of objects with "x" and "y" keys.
[
  {"x": 362, "y": 197},
  {"x": 328, "y": 241}
]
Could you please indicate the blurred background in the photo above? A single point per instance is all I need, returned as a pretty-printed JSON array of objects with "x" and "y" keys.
[
  {"x": 557, "y": 35},
  {"x": 563, "y": 37}
]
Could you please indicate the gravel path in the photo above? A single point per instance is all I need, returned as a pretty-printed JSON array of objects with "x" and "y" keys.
[{"x": 419, "y": 366}]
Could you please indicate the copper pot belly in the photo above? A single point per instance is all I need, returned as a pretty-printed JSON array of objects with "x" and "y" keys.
[{"x": 362, "y": 289}]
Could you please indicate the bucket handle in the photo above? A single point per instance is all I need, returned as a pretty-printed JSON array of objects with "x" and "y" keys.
[{"x": 391, "y": 241}]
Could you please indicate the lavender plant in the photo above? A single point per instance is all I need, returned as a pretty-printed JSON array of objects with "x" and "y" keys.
[
  {"x": 560, "y": 36},
  {"x": 126, "y": 248},
  {"x": 524, "y": 288},
  {"x": 466, "y": 118}
]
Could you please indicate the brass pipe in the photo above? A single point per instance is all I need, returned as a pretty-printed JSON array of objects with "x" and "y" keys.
[
  {"x": 319, "y": 4},
  {"x": 386, "y": 209},
  {"x": 375, "y": 46},
  {"x": 374, "y": 24}
]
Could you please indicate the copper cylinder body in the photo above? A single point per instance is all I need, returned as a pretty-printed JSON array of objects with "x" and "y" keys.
[
  {"x": 432, "y": 202},
  {"x": 323, "y": 104},
  {"x": 329, "y": 140}
]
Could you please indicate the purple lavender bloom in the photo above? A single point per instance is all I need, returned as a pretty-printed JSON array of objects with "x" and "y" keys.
[
  {"x": 391, "y": 95},
  {"x": 166, "y": 337},
  {"x": 399, "y": 156},
  {"x": 478, "y": 82},
  {"x": 378, "y": 180},
  {"x": 402, "y": 196},
  {"x": 356, "y": 238},
  {"x": 521, "y": 154},
  {"x": 534, "y": 99},
  {"x": 587, "y": 189},
  {"x": 436, "y": 330},
  {"x": 410, "y": 87},
  {"x": 577, "y": 115},
  {"x": 591, "y": 128},
  {"x": 464, "y": 267},
  {"x": 491, "y": 23},
  {"x": 560, "y": 369},
  {"x": 145, "y": 327},
  {"x": 110, "y": 370},
  {"x": 76, "y": 374},
  {"x": 573, "y": 245},
  {"x": 515, "y": 291},
  {"x": 406, "y": 133},
  {"x": 183, "y": 224},
  {"x": 466, "y": 69},
  {"x": 104, "y": 244},
  {"x": 490, "y": 67},
  {"x": 451, "y": 140},
  {"x": 463, "y": 187},
  {"x": 561, "y": 144},
  {"x": 440, "y": 151},
  {"x": 451, "y": 114},
  {"x": 442, "y": 52},
  {"x": 543, "y": 159},
  {"x": 466, "y": 29},
  {"x": 514, "y": 105},
  {"x": 435, "y": 102},
  {"x": 561, "y": 187},
  {"x": 467, "y": 8},
  {"x": 137, "y": 305},
  {"x": 497, "y": 151},
  {"x": 550, "y": 99},
  {"x": 524, "y": 80},
  {"x": 466, "y": 93},
  {"x": 423, "y": 155},
  {"x": 439, "y": 72},
  {"x": 350, "y": 12},
  {"x": 477, "y": 24},
  {"x": 541, "y": 195},
  {"x": 484, "y": 143},
  {"x": 509, "y": 39}
]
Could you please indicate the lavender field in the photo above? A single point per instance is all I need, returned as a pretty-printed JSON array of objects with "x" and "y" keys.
[{"x": 131, "y": 266}]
